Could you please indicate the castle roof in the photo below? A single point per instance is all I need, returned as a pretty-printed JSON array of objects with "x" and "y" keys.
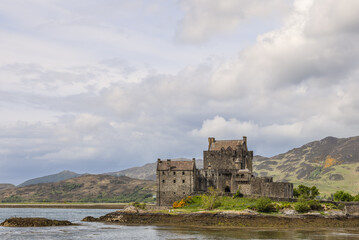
[
  {"x": 217, "y": 145},
  {"x": 175, "y": 165}
]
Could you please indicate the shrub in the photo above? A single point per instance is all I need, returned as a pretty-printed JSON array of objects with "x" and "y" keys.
[
  {"x": 264, "y": 204},
  {"x": 238, "y": 194},
  {"x": 302, "y": 207},
  {"x": 343, "y": 196},
  {"x": 314, "y": 205},
  {"x": 139, "y": 205},
  {"x": 183, "y": 202},
  {"x": 306, "y": 192},
  {"x": 356, "y": 198},
  {"x": 211, "y": 200}
]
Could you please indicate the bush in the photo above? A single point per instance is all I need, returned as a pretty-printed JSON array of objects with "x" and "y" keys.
[
  {"x": 264, "y": 204},
  {"x": 139, "y": 205},
  {"x": 238, "y": 194},
  {"x": 343, "y": 196},
  {"x": 314, "y": 205},
  {"x": 356, "y": 198},
  {"x": 306, "y": 192},
  {"x": 302, "y": 207},
  {"x": 211, "y": 200},
  {"x": 183, "y": 202}
]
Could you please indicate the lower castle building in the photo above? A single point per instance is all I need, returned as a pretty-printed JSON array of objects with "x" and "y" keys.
[{"x": 227, "y": 166}]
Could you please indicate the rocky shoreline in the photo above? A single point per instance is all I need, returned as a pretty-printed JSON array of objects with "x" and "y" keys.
[
  {"x": 34, "y": 222},
  {"x": 229, "y": 219}
]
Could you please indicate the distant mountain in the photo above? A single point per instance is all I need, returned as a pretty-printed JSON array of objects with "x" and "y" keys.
[
  {"x": 6, "y": 185},
  {"x": 147, "y": 171},
  {"x": 331, "y": 164},
  {"x": 51, "y": 178},
  {"x": 86, "y": 188}
]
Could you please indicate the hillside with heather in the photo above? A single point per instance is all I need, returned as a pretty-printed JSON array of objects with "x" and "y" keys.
[
  {"x": 86, "y": 188},
  {"x": 331, "y": 164}
]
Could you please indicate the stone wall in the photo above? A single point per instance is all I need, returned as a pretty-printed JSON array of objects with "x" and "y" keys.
[
  {"x": 174, "y": 185},
  {"x": 352, "y": 208},
  {"x": 266, "y": 187}
]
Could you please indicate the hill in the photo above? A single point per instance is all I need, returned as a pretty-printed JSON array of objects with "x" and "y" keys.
[
  {"x": 86, "y": 188},
  {"x": 331, "y": 164},
  {"x": 6, "y": 185},
  {"x": 147, "y": 171},
  {"x": 51, "y": 178}
]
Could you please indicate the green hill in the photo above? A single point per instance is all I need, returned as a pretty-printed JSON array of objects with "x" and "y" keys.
[
  {"x": 86, "y": 188},
  {"x": 51, "y": 178},
  {"x": 331, "y": 164}
]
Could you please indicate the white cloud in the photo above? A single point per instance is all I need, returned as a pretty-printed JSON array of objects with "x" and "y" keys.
[
  {"x": 204, "y": 19},
  {"x": 292, "y": 85}
]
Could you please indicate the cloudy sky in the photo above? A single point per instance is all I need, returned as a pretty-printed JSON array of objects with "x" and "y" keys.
[{"x": 97, "y": 86}]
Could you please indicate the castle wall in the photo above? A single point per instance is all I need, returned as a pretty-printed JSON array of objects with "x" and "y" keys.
[
  {"x": 224, "y": 159},
  {"x": 174, "y": 185},
  {"x": 268, "y": 188}
]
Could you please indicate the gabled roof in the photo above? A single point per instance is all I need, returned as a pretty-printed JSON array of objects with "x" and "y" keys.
[
  {"x": 175, "y": 165},
  {"x": 217, "y": 145}
]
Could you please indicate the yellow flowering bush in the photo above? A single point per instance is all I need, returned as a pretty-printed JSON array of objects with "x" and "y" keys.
[{"x": 183, "y": 202}]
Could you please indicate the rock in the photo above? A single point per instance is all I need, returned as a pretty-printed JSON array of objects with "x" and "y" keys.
[
  {"x": 336, "y": 177},
  {"x": 248, "y": 212},
  {"x": 130, "y": 209},
  {"x": 90, "y": 219},
  {"x": 33, "y": 222},
  {"x": 288, "y": 211},
  {"x": 334, "y": 213}
]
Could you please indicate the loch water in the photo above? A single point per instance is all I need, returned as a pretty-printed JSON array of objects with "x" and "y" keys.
[{"x": 89, "y": 230}]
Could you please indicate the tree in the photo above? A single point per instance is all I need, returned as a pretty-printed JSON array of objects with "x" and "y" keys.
[
  {"x": 306, "y": 192},
  {"x": 343, "y": 196}
]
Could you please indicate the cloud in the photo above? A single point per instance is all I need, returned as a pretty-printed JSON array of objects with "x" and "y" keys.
[
  {"x": 204, "y": 19},
  {"x": 292, "y": 85}
]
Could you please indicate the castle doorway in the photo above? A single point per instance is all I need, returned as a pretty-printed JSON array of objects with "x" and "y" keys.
[{"x": 227, "y": 189}]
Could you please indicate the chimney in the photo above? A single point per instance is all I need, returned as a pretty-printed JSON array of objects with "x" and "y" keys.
[
  {"x": 245, "y": 139},
  {"x": 210, "y": 141}
]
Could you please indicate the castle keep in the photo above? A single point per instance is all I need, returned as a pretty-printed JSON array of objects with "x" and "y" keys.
[{"x": 227, "y": 166}]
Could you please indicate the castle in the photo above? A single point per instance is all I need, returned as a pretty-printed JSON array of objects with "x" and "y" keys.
[{"x": 227, "y": 166}]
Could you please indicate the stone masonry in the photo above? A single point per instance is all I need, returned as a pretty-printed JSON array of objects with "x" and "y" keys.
[{"x": 227, "y": 166}]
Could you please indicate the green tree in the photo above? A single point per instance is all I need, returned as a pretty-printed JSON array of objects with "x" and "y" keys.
[
  {"x": 211, "y": 200},
  {"x": 343, "y": 196},
  {"x": 306, "y": 192}
]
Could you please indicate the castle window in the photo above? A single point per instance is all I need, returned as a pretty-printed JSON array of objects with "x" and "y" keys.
[
  {"x": 182, "y": 181},
  {"x": 174, "y": 192},
  {"x": 163, "y": 172},
  {"x": 174, "y": 181},
  {"x": 184, "y": 193},
  {"x": 182, "y": 173},
  {"x": 212, "y": 175},
  {"x": 242, "y": 176},
  {"x": 219, "y": 174},
  {"x": 163, "y": 181},
  {"x": 174, "y": 173}
]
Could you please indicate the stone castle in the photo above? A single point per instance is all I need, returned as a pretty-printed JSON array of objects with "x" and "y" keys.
[{"x": 227, "y": 166}]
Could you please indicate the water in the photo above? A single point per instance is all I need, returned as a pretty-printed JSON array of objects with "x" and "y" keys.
[{"x": 103, "y": 231}]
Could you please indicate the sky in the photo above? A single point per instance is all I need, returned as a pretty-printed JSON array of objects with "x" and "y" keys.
[{"x": 102, "y": 85}]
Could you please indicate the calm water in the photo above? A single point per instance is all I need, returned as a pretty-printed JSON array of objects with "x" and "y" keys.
[{"x": 111, "y": 231}]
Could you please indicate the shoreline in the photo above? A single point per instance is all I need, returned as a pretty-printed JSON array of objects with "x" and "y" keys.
[
  {"x": 225, "y": 219},
  {"x": 67, "y": 205}
]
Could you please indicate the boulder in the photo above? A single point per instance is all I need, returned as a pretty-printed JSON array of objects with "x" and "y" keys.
[
  {"x": 90, "y": 219},
  {"x": 33, "y": 222}
]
